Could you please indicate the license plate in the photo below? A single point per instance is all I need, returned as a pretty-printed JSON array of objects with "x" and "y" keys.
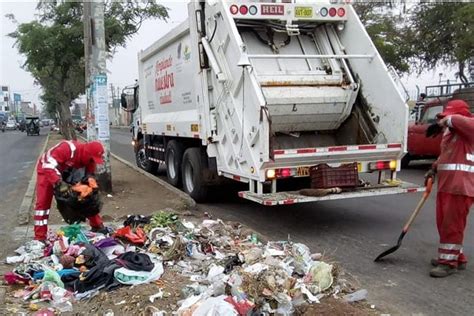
[
  {"x": 302, "y": 172},
  {"x": 304, "y": 12}
]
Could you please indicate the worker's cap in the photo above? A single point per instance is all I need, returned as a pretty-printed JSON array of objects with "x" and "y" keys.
[
  {"x": 95, "y": 150},
  {"x": 458, "y": 107}
]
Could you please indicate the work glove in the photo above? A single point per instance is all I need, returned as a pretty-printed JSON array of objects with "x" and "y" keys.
[
  {"x": 433, "y": 130},
  {"x": 62, "y": 188},
  {"x": 430, "y": 174}
]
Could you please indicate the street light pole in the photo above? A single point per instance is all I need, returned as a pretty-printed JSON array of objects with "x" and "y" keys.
[{"x": 96, "y": 84}]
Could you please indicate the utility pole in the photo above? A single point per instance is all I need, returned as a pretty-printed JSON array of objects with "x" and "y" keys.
[
  {"x": 96, "y": 85},
  {"x": 87, "y": 21}
]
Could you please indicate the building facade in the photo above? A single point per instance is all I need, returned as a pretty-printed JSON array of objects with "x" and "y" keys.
[{"x": 5, "y": 99}]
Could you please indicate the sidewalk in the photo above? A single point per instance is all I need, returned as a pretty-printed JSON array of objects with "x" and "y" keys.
[
  {"x": 120, "y": 127},
  {"x": 206, "y": 248}
]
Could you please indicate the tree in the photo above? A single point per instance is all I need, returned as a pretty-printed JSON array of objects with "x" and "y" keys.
[
  {"x": 386, "y": 23},
  {"x": 443, "y": 34},
  {"x": 421, "y": 37},
  {"x": 54, "y": 47}
]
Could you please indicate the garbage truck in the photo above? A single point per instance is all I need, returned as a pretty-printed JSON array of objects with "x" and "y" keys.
[{"x": 267, "y": 93}]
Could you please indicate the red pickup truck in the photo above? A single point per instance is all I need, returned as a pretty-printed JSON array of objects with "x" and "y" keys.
[{"x": 421, "y": 147}]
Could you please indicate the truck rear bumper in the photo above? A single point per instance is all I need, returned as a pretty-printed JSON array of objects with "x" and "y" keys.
[{"x": 285, "y": 198}]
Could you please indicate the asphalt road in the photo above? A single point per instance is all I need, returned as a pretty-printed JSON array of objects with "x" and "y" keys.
[
  {"x": 353, "y": 232},
  {"x": 18, "y": 155}
]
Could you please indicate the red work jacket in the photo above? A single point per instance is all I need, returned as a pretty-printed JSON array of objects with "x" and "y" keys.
[
  {"x": 65, "y": 155},
  {"x": 455, "y": 164}
]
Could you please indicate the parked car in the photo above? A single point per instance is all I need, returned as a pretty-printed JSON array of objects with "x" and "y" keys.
[
  {"x": 11, "y": 125},
  {"x": 45, "y": 122}
]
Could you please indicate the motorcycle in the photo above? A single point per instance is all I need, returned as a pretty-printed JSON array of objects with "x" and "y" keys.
[{"x": 32, "y": 126}]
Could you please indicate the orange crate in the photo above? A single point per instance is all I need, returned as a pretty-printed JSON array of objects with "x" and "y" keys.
[{"x": 324, "y": 176}]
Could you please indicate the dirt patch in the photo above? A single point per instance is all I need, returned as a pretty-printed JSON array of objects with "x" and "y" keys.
[
  {"x": 132, "y": 194},
  {"x": 134, "y": 301},
  {"x": 332, "y": 306}
]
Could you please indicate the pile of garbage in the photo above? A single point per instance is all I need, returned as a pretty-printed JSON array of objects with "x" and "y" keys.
[{"x": 230, "y": 273}]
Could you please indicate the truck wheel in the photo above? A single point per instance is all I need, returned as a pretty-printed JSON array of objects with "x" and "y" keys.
[
  {"x": 173, "y": 159},
  {"x": 194, "y": 164},
  {"x": 405, "y": 161},
  {"x": 142, "y": 159}
]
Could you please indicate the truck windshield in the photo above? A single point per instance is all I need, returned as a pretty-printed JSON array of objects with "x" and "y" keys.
[{"x": 429, "y": 116}]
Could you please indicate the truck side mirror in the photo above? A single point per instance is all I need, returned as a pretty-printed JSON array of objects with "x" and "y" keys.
[{"x": 123, "y": 101}]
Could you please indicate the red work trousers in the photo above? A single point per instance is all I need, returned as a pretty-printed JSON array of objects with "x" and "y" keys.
[
  {"x": 44, "y": 197},
  {"x": 451, "y": 218}
]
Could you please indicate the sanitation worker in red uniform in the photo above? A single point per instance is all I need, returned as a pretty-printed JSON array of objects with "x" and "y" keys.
[
  {"x": 52, "y": 164},
  {"x": 455, "y": 170}
]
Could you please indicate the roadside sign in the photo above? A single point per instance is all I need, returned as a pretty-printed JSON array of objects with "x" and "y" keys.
[{"x": 101, "y": 107}]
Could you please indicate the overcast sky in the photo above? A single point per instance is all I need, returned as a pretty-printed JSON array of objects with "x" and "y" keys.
[{"x": 123, "y": 67}]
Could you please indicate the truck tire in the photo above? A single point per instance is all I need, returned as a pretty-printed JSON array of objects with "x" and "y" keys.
[
  {"x": 173, "y": 159},
  {"x": 142, "y": 160},
  {"x": 406, "y": 161},
  {"x": 194, "y": 165}
]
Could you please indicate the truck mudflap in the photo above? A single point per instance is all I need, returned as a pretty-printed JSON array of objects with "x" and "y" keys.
[{"x": 286, "y": 198}]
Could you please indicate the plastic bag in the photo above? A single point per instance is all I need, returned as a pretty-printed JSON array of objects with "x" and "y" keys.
[
  {"x": 215, "y": 306},
  {"x": 215, "y": 273},
  {"x": 319, "y": 278},
  {"x": 189, "y": 305},
  {"x": 356, "y": 296},
  {"x": 53, "y": 276},
  {"x": 302, "y": 259},
  {"x": 30, "y": 251},
  {"x": 74, "y": 210},
  {"x": 61, "y": 299},
  {"x": 243, "y": 307}
]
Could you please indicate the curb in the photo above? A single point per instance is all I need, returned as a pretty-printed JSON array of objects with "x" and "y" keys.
[
  {"x": 186, "y": 198},
  {"x": 25, "y": 207},
  {"x": 120, "y": 127}
]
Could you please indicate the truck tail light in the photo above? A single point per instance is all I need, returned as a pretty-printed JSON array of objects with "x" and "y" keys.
[
  {"x": 271, "y": 174},
  {"x": 253, "y": 10},
  {"x": 243, "y": 9},
  {"x": 284, "y": 173},
  {"x": 323, "y": 12},
  {"x": 234, "y": 9},
  {"x": 332, "y": 12},
  {"x": 341, "y": 12},
  {"x": 383, "y": 165}
]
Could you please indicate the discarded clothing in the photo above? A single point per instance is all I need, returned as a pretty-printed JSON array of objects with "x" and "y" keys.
[
  {"x": 135, "y": 261},
  {"x": 136, "y": 220},
  {"x": 131, "y": 277},
  {"x": 61, "y": 273},
  {"x": 136, "y": 236}
]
